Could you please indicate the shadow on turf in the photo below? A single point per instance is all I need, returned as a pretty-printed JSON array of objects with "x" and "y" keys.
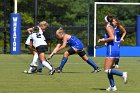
[
  {"x": 55, "y": 73},
  {"x": 138, "y": 60},
  {"x": 103, "y": 89},
  {"x": 99, "y": 89},
  {"x": 74, "y": 72}
]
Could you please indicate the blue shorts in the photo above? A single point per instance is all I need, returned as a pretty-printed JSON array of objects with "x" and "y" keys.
[{"x": 113, "y": 52}]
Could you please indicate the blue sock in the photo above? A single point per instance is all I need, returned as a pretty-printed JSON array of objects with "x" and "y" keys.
[
  {"x": 115, "y": 72},
  {"x": 90, "y": 62},
  {"x": 117, "y": 61},
  {"x": 64, "y": 60},
  {"x": 111, "y": 80}
]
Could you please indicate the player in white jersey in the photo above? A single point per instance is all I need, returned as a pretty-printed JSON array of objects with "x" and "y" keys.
[
  {"x": 38, "y": 41},
  {"x": 38, "y": 38},
  {"x": 33, "y": 65}
]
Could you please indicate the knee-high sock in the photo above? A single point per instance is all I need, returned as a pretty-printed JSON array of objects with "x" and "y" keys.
[
  {"x": 111, "y": 80},
  {"x": 46, "y": 64},
  {"x": 90, "y": 62},
  {"x": 115, "y": 72},
  {"x": 64, "y": 60},
  {"x": 34, "y": 61}
]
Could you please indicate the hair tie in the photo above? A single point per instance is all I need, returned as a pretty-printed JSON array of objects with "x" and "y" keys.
[{"x": 106, "y": 20}]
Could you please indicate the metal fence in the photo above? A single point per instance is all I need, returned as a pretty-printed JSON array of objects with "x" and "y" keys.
[{"x": 80, "y": 32}]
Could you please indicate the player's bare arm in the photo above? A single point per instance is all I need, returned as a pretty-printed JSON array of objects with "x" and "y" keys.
[
  {"x": 124, "y": 33},
  {"x": 110, "y": 33},
  {"x": 65, "y": 38}
]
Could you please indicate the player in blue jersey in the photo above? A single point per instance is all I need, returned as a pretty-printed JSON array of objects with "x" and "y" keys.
[
  {"x": 76, "y": 47},
  {"x": 120, "y": 34},
  {"x": 112, "y": 52}
]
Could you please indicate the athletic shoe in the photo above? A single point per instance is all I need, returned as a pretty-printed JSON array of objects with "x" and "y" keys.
[
  {"x": 116, "y": 66},
  {"x": 96, "y": 71},
  {"x": 52, "y": 71},
  {"x": 39, "y": 70},
  {"x": 34, "y": 69},
  {"x": 111, "y": 88},
  {"x": 58, "y": 70},
  {"x": 31, "y": 70},
  {"x": 125, "y": 77}
]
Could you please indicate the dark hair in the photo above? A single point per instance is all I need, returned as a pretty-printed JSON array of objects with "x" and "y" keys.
[{"x": 118, "y": 23}]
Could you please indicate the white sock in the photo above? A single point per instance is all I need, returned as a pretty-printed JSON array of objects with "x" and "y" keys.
[
  {"x": 46, "y": 64},
  {"x": 35, "y": 58}
]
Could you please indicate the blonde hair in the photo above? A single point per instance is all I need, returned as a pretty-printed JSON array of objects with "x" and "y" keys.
[{"x": 43, "y": 23}]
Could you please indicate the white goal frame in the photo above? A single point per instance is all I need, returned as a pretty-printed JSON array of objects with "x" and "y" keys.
[{"x": 95, "y": 14}]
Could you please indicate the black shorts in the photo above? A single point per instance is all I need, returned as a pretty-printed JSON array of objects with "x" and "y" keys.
[
  {"x": 81, "y": 53},
  {"x": 42, "y": 49}
]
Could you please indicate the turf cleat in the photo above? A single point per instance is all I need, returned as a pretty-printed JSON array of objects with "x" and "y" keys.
[
  {"x": 111, "y": 88},
  {"x": 58, "y": 70},
  {"x": 96, "y": 70},
  {"x": 125, "y": 77},
  {"x": 32, "y": 69},
  {"x": 116, "y": 66},
  {"x": 52, "y": 71},
  {"x": 39, "y": 70}
]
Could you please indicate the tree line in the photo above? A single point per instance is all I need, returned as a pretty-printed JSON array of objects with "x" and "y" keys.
[{"x": 72, "y": 13}]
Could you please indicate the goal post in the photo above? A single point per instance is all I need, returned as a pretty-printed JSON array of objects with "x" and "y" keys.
[
  {"x": 15, "y": 27},
  {"x": 95, "y": 16}
]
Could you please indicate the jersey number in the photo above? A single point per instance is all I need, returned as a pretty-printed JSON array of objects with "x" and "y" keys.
[{"x": 38, "y": 35}]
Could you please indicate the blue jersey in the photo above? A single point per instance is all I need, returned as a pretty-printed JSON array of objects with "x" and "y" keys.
[
  {"x": 117, "y": 36},
  {"x": 75, "y": 43},
  {"x": 113, "y": 50}
]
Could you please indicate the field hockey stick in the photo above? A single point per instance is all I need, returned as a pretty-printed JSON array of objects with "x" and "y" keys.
[
  {"x": 47, "y": 59},
  {"x": 50, "y": 56}
]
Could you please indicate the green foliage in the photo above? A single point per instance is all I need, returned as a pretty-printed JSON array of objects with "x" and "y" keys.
[
  {"x": 26, "y": 18},
  {"x": 71, "y": 13},
  {"x": 66, "y": 12},
  {"x": 130, "y": 40},
  {"x": 136, "y": 1}
]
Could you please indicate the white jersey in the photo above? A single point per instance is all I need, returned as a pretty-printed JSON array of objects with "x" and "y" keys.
[
  {"x": 28, "y": 40},
  {"x": 38, "y": 38}
]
